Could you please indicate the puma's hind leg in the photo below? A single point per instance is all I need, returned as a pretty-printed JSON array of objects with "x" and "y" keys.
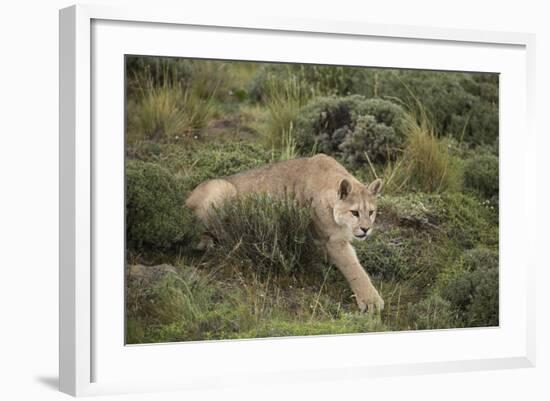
[{"x": 203, "y": 198}]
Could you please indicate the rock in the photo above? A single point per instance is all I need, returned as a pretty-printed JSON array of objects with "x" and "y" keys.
[{"x": 148, "y": 274}]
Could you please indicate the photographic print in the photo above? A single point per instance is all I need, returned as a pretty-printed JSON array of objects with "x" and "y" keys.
[{"x": 277, "y": 199}]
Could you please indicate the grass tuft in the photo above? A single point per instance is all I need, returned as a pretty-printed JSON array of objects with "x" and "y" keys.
[
  {"x": 426, "y": 164},
  {"x": 284, "y": 102},
  {"x": 168, "y": 112},
  {"x": 271, "y": 235}
]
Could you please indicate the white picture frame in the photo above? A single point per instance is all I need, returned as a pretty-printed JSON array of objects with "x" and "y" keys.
[{"x": 93, "y": 357}]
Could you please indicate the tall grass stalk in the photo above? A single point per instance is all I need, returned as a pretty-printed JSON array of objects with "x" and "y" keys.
[
  {"x": 209, "y": 79},
  {"x": 284, "y": 101},
  {"x": 426, "y": 164},
  {"x": 288, "y": 149}
]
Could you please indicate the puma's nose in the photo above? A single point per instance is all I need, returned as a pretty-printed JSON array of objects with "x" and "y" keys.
[{"x": 364, "y": 230}]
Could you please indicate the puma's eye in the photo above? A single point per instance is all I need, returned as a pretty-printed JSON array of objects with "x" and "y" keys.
[
  {"x": 355, "y": 213},
  {"x": 371, "y": 212}
]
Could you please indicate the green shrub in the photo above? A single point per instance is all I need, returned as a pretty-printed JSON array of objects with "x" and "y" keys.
[
  {"x": 431, "y": 313},
  {"x": 470, "y": 222},
  {"x": 370, "y": 138},
  {"x": 471, "y": 287},
  {"x": 484, "y": 307},
  {"x": 481, "y": 174},
  {"x": 381, "y": 258},
  {"x": 271, "y": 235},
  {"x": 462, "y": 105},
  {"x": 155, "y": 217},
  {"x": 415, "y": 244},
  {"x": 480, "y": 258},
  {"x": 416, "y": 210},
  {"x": 350, "y": 127},
  {"x": 464, "y": 219}
]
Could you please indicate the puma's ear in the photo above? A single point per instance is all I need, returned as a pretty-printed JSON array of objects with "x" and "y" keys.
[
  {"x": 344, "y": 189},
  {"x": 375, "y": 186}
]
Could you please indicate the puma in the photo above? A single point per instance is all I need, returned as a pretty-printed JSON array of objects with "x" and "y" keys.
[{"x": 344, "y": 209}]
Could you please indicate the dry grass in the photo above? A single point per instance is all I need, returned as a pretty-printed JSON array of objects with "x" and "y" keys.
[
  {"x": 169, "y": 111},
  {"x": 425, "y": 164}
]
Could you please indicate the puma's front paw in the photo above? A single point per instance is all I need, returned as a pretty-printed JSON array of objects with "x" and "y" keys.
[{"x": 370, "y": 301}]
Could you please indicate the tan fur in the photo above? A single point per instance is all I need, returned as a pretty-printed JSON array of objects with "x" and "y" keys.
[{"x": 336, "y": 197}]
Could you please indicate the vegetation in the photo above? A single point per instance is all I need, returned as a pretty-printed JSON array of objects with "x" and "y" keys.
[
  {"x": 431, "y": 136},
  {"x": 271, "y": 236},
  {"x": 462, "y": 105},
  {"x": 155, "y": 218},
  {"x": 350, "y": 127},
  {"x": 426, "y": 163},
  {"x": 481, "y": 173}
]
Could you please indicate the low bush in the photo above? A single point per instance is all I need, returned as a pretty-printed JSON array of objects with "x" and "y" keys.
[
  {"x": 415, "y": 210},
  {"x": 369, "y": 137},
  {"x": 484, "y": 306},
  {"x": 463, "y": 219},
  {"x": 155, "y": 216},
  {"x": 350, "y": 127},
  {"x": 470, "y": 222},
  {"x": 271, "y": 235},
  {"x": 382, "y": 258},
  {"x": 471, "y": 287},
  {"x": 481, "y": 173},
  {"x": 431, "y": 313},
  {"x": 462, "y": 105}
]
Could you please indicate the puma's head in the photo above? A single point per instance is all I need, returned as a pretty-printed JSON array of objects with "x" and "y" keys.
[{"x": 355, "y": 209}]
